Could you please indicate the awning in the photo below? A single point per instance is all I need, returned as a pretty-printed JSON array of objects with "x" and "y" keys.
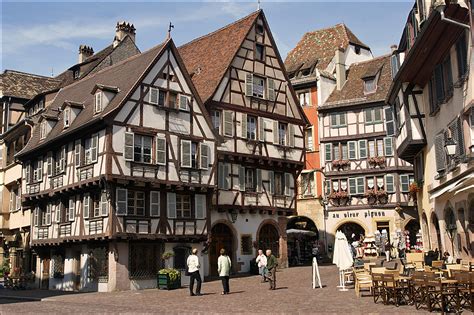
[
  {"x": 297, "y": 231},
  {"x": 452, "y": 187}
]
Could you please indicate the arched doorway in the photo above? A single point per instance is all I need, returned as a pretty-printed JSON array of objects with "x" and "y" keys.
[
  {"x": 268, "y": 238},
  {"x": 351, "y": 228},
  {"x": 413, "y": 227},
  {"x": 435, "y": 233},
  {"x": 221, "y": 237},
  {"x": 303, "y": 235}
]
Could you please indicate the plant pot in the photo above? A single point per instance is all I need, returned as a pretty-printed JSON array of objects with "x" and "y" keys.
[
  {"x": 371, "y": 200},
  {"x": 165, "y": 283},
  {"x": 383, "y": 200}
]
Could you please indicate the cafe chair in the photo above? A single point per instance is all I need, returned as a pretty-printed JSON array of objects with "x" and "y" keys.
[
  {"x": 395, "y": 290},
  {"x": 378, "y": 291},
  {"x": 418, "y": 290},
  {"x": 362, "y": 279},
  {"x": 465, "y": 291}
]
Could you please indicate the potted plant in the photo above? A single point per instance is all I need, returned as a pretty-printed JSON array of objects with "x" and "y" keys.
[
  {"x": 376, "y": 161},
  {"x": 371, "y": 196},
  {"x": 413, "y": 190},
  {"x": 340, "y": 198},
  {"x": 382, "y": 196},
  {"x": 340, "y": 164},
  {"x": 168, "y": 278}
]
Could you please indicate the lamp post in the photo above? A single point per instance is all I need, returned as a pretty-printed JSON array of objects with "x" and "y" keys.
[
  {"x": 451, "y": 230},
  {"x": 233, "y": 215},
  {"x": 450, "y": 148},
  {"x": 323, "y": 201}
]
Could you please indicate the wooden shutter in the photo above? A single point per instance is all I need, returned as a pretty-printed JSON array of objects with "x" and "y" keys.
[
  {"x": 183, "y": 102},
  {"x": 389, "y": 122},
  {"x": 291, "y": 135},
  {"x": 36, "y": 216},
  {"x": 389, "y": 183},
  {"x": 154, "y": 203},
  {"x": 328, "y": 152},
  {"x": 56, "y": 214},
  {"x": 227, "y": 171},
  {"x": 200, "y": 202},
  {"x": 362, "y": 149},
  {"x": 185, "y": 153},
  {"x": 221, "y": 177},
  {"x": 49, "y": 163},
  {"x": 104, "y": 204},
  {"x": 77, "y": 153},
  {"x": 48, "y": 214},
  {"x": 360, "y": 185},
  {"x": 228, "y": 123},
  {"x": 458, "y": 136},
  {"x": 204, "y": 156},
  {"x": 153, "y": 96},
  {"x": 249, "y": 84},
  {"x": 259, "y": 180},
  {"x": 171, "y": 205},
  {"x": 388, "y": 146},
  {"x": 271, "y": 181},
  {"x": 440, "y": 153},
  {"x": 160, "y": 150},
  {"x": 121, "y": 201},
  {"x": 28, "y": 173},
  {"x": 368, "y": 115},
  {"x": 404, "y": 183},
  {"x": 287, "y": 184},
  {"x": 40, "y": 169},
  {"x": 86, "y": 204},
  {"x": 94, "y": 147},
  {"x": 128, "y": 146},
  {"x": 275, "y": 132},
  {"x": 72, "y": 209},
  {"x": 352, "y": 186},
  {"x": 241, "y": 178},
  {"x": 352, "y": 145},
  {"x": 271, "y": 89},
  {"x": 243, "y": 124},
  {"x": 261, "y": 129}
]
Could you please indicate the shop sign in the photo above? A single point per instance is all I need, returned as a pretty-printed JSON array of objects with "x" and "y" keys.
[{"x": 358, "y": 214}]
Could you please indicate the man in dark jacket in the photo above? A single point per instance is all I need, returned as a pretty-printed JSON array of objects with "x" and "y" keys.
[{"x": 272, "y": 263}]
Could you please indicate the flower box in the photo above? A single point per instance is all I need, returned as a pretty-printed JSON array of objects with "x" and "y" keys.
[
  {"x": 169, "y": 279},
  {"x": 340, "y": 164},
  {"x": 340, "y": 198},
  {"x": 376, "y": 161}
]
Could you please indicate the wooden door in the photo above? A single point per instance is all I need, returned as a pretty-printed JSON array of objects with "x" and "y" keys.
[
  {"x": 222, "y": 237},
  {"x": 77, "y": 271},
  {"x": 45, "y": 273}
]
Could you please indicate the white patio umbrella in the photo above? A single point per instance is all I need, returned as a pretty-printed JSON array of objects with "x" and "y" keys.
[{"x": 342, "y": 257}]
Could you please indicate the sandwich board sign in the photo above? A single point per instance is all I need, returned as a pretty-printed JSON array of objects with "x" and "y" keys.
[{"x": 316, "y": 275}]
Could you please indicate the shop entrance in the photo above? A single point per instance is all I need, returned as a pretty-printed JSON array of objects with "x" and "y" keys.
[
  {"x": 222, "y": 237},
  {"x": 303, "y": 236}
]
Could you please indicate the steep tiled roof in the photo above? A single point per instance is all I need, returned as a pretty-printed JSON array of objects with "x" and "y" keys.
[
  {"x": 208, "y": 57},
  {"x": 353, "y": 89},
  {"x": 123, "y": 75},
  {"x": 318, "y": 47},
  {"x": 25, "y": 85}
]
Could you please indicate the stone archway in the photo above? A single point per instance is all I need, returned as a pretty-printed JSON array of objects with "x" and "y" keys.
[
  {"x": 268, "y": 237},
  {"x": 352, "y": 228},
  {"x": 222, "y": 236},
  {"x": 413, "y": 227},
  {"x": 435, "y": 233},
  {"x": 303, "y": 235}
]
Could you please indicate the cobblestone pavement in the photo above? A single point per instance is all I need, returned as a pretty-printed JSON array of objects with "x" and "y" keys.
[{"x": 248, "y": 295}]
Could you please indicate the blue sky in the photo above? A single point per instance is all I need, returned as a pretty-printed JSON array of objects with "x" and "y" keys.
[{"x": 44, "y": 37}]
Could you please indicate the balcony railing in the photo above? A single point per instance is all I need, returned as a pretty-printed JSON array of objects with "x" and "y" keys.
[
  {"x": 85, "y": 172},
  {"x": 42, "y": 232},
  {"x": 65, "y": 230},
  {"x": 96, "y": 226},
  {"x": 33, "y": 188},
  {"x": 56, "y": 181}
]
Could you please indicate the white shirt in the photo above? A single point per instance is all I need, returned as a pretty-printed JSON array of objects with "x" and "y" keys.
[
  {"x": 193, "y": 263},
  {"x": 261, "y": 260}
]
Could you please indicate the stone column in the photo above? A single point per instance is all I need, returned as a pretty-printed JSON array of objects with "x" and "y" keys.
[
  {"x": 283, "y": 244},
  {"x": 118, "y": 266}
]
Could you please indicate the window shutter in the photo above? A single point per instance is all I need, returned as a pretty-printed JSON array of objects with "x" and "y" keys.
[
  {"x": 227, "y": 171},
  {"x": 228, "y": 123},
  {"x": 94, "y": 147},
  {"x": 404, "y": 182},
  {"x": 171, "y": 201},
  {"x": 49, "y": 163},
  {"x": 458, "y": 136},
  {"x": 48, "y": 214},
  {"x": 360, "y": 185},
  {"x": 440, "y": 153},
  {"x": 259, "y": 180},
  {"x": 161, "y": 150},
  {"x": 183, "y": 102},
  {"x": 98, "y": 102},
  {"x": 121, "y": 201},
  {"x": 328, "y": 152},
  {"x": 287, "y": 184},
  {"x": 368, "y": 115},
  {"x": 362, "y": 149},
  {"x": 352, "y": 186},
  {"x": 154, "y": 203},
  {"x": 28, "y": 173},
  {"x": 128, "y": 149},
  {"x": 352, "y": 150},
  {"x": 389, "y": 122},
  {"x": 57, "y": 212},
  {"x": 377, "y": 114},
  {"x": 221, "y": 177},
  {"x": 249, "y": 84},
  {"x": 389, "y": 183},
  {"x": 72, "y": 209},
  {"x": 204, "y": 161},
  {"x": 200, "y": 201},
  {"x": 153, "y": 96},
  {"x": 36, "y": 216},
  {"x": 86, "y": 205},
  {"x": 77, "y": 153},
  {"x": 291, "y": 135},
  {"x": 243, "y": 124},
  {"x": 40, "y": 169},
  {"x": 275, "y": 132},
  {"x": 388, "y": 144},
  {"x": 271, "y": 179},
  {"x": 261, "y": 129},
  {"x": 185, "y": 153},
  {"x": 104, "y": 204},
  {"x": 241, "y": 178},
  {"x": 271, "y": 89},
  {"x": 472, "y": 116}
]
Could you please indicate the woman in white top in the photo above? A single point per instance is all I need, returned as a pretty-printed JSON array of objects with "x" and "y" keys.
[
  {"x": 262, "y": 264},
  {"x": 193, "y": 270}
]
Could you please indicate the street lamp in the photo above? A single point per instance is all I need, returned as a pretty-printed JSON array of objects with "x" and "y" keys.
[
  {"x": 233, "y": 215},
  {"x": 450, "y": 147},
  {"x": 451, "y": 229}
]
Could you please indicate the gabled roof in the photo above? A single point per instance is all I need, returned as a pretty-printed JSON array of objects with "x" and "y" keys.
[
  {"x": 125, "y": 75},
  {"x": 208, "y": 57},
  {"x": 318, "y": 47},
  {"x": 25, "y": 85},
  {"x": 353, "y": 90}
]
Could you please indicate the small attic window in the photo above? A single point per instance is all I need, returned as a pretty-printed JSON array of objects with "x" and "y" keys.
[
  {"x": 291, "y": 75},
  {"x": 370, "y": 85},
  {"x": 67, "y": 117},
  {"x": 76, "y": 74},
  {"x": 305, "y": 72},
  {"x": 43, "y": 129},
  {"x": 357, "y": 50},
  {"x": 259, "y": 29},
  {"x": 98, "y": 102}
]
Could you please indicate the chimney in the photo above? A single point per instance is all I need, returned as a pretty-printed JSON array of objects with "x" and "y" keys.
[
  {"x": 340, "y": 69},
  {"x": 85, "y": 52},
  {"x": 123, "y": 29},
  {"x": 393, "y": 48}
]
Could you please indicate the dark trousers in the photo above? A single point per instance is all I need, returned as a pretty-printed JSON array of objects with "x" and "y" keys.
[
  {"x": 271, "y": 276},
  {"x": 195, "y": 276},
  {"x": 225, "y": 284}
]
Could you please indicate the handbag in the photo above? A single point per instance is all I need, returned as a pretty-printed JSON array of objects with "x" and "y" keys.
[{"x": 186, "y": 272}]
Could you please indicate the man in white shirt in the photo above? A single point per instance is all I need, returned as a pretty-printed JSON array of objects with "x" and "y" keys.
[
  {"x": 193, "y": 270},
  {"x": 262, "y": 264}
]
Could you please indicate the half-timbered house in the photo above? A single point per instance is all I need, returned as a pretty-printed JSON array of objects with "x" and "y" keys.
[
  {"x": 241, "y": 79},
  {"x": 119, "y": 169}
]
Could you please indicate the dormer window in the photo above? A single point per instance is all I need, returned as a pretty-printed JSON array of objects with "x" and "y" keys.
[
  {"x": 76, "y": 74},
  {"x": 370, "y": 85},
  {"x": 67, "y": 117},
  {"x": 260, "y": 30},
  {"x": 157, "y": 97},
  {"x": 98, "y": 102},
  {"x": 43, "y": 129},
  {"x": 259, "y": 52}
]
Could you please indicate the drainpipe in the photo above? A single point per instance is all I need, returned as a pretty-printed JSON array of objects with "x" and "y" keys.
[{"x": 441, "y": 8}]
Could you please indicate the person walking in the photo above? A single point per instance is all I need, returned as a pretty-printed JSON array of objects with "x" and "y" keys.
[
  {"x": 272, "y": 263},
  {"x": 262, "y": 264},
  {"x": 193, "y": 270},
  {"x": 223, "y": 268}
]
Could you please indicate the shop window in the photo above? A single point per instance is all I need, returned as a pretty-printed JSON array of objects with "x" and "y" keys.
[
  {"x": 181, "y": 254},
  {"x": 144, "y": 261},
  {"x": 246, "y": 244}
]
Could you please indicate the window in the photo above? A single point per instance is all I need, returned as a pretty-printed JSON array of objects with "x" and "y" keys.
[
  {"x": 181, "y": 254},
  {"x": 461, "y": 53},
  {"x": 344, "y": 151},
  {"x": 90, "y": 149},
  {"x": 352, "y": 148},
  {"x": 388, "y": 146},
  {"x": 15, "y": 199},
  {"x": 161, "y": 152},
  {"x": 154, "y": 203},
  {"x": 43, "y": 129},
  {"x": 246, "y": 244},
  {"x": 259, "y": 29},
  {"x": 362, "y": 149},
  {"x": 98, "y": 102},
  {"x": 338, "y": 120},
  {"x": 373, "y": 115},
  {"x": 405, "y": 181},
  {"x": 395, "y": 64},
  {"x": 336, "y": 152},
  {"x": 305, "y": 98},
  {"x": 46, "y": 215},
  {"x": 224, "y": 175},
  {"x": 279, "y": 183},
  {"x": 251, "y": 128},
  {"x": 380, "y": 182},
  {"x": 67, "y": 117},
  {"x": 142, "y": 148},
  {"x": 370, "y": 85},
  {"x": 38, "y": 170},
  {"x": 183, "y": 102},
  {"x": 183, "y": 206},
  {"x": 309, "y": 139},
  {"x": 228, "y": 123},
  {"x": 76, "y": 74},
  {"x": 372, "y": 148},
  {"x": 259, "y": 52},
  {"x": 189, "y": 154},
  {"x": 328, "y": 152},
  {"x": 60, "y": 161},
  {"x": 204, "y": 152},
  {"x": 258, "y": 87},
  {"x": 153, "y": 96},
  {"x": 380, "y": 148},
  {"x": 135, "y": 202},
  {"x": 307, "y": 184},
  {"x": 389, "y": 183},
  {"x": 172, "y": 99},
  {"x": 250, "y": 180},
  {"x": 441, "y": 85},
  {"x": 216, "y": 121},
  {"x": 282, "y": 129}
]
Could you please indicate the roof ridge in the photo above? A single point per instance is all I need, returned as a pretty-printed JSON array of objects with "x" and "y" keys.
[
  {"x": 30, "y": 74},
  {"x": 325, "y": 28},
  {"x": 371, "y": 60},
  {"x": 221, "y": 29}
]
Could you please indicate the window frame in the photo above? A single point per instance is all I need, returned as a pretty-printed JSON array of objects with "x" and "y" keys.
[
  {"x": 142, "y": 148},
  {"x": 180, "y": 210}
]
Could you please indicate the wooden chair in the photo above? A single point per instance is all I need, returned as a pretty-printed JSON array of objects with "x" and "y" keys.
[
  {"x": 377, "y": 269},
  {"x": 437, "y": 264},
  {"x": 452, "y": 267},
  {"x": 362, "y": 279},
  {"x": 442, "y": 297},
  {"x": 377, "y": 287},
  {"x": 418, "y": 290},
  {"x": 465, "y": 291},
  {"x": 395, "y": 290}
]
